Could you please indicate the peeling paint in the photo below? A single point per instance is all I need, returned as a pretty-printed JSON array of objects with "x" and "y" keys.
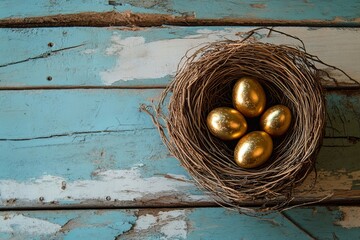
[
  {"x": 158, "y": 58},
  {"x": 89, "y": 51},
  {"x": 328, "y": 182},
  {"x": 186, "y": 18},
  {"x": 351, "y": 217},
  {"x": 21, "y": 224},
  {"x": 171, "y": 224},
  {"x": 161, "y": 58},
  {"x": 119, "y": 185},
  {"x": 258, "y": 5}
]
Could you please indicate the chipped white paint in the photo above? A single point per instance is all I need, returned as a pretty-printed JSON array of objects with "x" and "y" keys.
[
  {"x": 22, "y": 225},
  {"x": 327, "y": 182},
  {"x": 130, "y": 185},
  {"x": 139, "y": 59},
  {"x": 171, "y": 224},
  {"x": 145, "y": 222},
  {"x": 122, "y": 185},
  {"x": 90, "y": 51},
  {"x": 351, "y": 217}
]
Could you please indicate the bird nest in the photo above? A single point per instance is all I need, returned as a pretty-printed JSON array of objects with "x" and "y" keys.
[{"x": 205, "y": 80}]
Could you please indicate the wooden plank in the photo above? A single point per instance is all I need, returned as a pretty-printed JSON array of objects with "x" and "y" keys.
[
  {"x": 189, "y": 223},
  {"x": 110, "y": 57},
  {"x": 338, "y": 11},
  {"x": 95, "y": 148},
  {"x": 37, "y": 114}
]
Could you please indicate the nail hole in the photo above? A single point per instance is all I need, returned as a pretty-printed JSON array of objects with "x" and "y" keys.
[
  {"x": 50, "y": 44},
  {"x": 41, "y": 199},
  {"x": 108, "y": 198},
  {"x": 63, "y": 185},
  {"x": 49, "y": 78}
]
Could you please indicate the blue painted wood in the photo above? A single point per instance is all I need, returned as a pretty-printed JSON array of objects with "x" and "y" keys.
[
  {"x": 65, "y": 224},
  {"x": 191, "y": 223},
  {"x": 75, "y": 136},
  {"x": 110, "y": 56},
  {"x": 42, "y": 114},
  {"x": 347, "y": 11},
  {"x": 46, "y": 113},
  {"x": 328, "y": 222},
  {"x": 62, "y": 140}
]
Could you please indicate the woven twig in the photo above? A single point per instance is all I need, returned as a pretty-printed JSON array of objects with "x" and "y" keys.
[{"x": 204, "y": 82}]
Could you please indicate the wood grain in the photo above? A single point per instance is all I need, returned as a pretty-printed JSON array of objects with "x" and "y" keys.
[
  {"x": 179, "y": 223},
  {"x": 111, "y": 57},
  {"x": 76, "y": 148},
  {"x": 72, "y": 136},
  {"x": 305, "y": 12}
]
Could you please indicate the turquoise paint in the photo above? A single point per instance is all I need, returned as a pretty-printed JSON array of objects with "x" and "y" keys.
[
  {"x": 218, "y": 223},
  {"x": 85, "y": 224},
  {"x": 39, "y": 114},
  {"x": 201, "y": 223},
  {"x": 45, "y": 113},
  {"x": 67, "y": 67},
  {"x": 102, "y": 225},
  {"x": 221, "y": 224},
  {"x": 78, "y": 132},
  {"x": 77, "y": 157},
  {"x": 74, "y": 66},
  {"x": 320, "y": 222},
  {"x": 265, "y": 10},
  {"x": 84, "y": 54},
  {"x": 11, "y": 9},
  {"x": 272, "y": 10}
]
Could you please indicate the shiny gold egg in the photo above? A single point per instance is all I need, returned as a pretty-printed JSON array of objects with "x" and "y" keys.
[
  {"x": 226, "y": 123},
  {"x": 253, "y": 150},
  {"x": 249, "y": 97},
  {"x": 276, "y": 120}
]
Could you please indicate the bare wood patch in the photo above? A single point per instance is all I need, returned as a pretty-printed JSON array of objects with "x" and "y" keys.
[
  {"x": 350, "y": 218},
  {"x": 107, "y": 19}
]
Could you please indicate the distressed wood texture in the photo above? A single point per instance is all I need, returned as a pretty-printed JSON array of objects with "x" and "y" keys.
[
  {"x": 93, "y": 147},
  {"x": 110, "y": 57},
  {"x": 278, "y": 11},
  {"x": 189, "y": 223}
]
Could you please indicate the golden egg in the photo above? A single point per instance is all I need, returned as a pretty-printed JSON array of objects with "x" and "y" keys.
[
  {"x": 249, "y": 97},
  {"x": 226, "y": 123},
  {"x": 253, "y": 149},
  {"x": 276, "y": 120}
]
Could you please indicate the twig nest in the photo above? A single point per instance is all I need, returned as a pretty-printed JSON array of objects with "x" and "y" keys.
[{"x": 205, "y": 82}]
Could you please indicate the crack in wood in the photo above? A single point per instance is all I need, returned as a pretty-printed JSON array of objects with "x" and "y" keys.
[
  {"x": 343, "y": 87},
  {"x": 74, "y": 134},
  {"x": 297, "y": 225},
  {"x": 352, "y": 139},
  {"x": 43, "y": 55},
  {"x": 113, "y": 18}
]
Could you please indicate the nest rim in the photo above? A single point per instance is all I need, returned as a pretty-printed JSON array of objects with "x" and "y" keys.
[{"x": 204, "y": 81}]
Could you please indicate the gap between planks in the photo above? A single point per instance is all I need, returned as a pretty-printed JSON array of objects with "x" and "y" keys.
[
  {"x": 112, "y": 18},
  {"x": 327, "y": 87},
  {"x": 333, "y": 203}
]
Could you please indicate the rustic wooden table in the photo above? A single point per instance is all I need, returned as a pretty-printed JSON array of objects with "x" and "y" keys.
[{"x": 80, "y": 161}]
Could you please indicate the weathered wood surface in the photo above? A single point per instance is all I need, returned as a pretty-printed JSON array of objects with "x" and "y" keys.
[
  {"x": 93, "y": 147},
  {"x": 282, "y": 12},
  {"x": 189, "y": 223},
  {"x": 64, "y": 148},
  {"x": 110, "y": 57}
]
